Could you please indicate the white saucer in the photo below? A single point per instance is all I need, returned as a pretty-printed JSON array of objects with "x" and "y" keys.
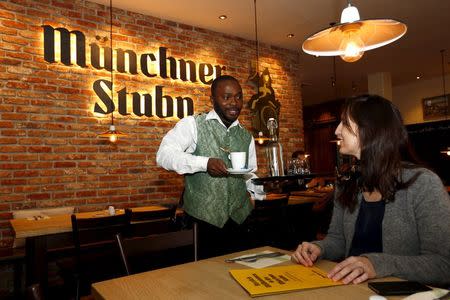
[{"x": 240, "y": 171}]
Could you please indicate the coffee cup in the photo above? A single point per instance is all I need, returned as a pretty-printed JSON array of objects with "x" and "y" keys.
[{"x": 238, "y": 160}]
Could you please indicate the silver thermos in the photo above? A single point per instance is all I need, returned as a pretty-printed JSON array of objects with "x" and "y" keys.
[{"x": 274, "y": 150}]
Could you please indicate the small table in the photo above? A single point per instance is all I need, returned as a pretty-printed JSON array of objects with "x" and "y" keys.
[
  {"x": 53, "y": 232},
  {"x": 209, "y": 279}
]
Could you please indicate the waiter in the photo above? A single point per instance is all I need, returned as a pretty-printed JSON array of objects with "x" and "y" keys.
[{"x": 198, "y": 147}]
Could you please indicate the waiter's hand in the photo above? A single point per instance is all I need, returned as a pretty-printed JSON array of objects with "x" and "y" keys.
[{"x": 216, "y": 167}]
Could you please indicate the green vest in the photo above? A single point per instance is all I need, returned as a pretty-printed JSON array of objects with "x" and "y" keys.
[{"x": 215, "y": 199}]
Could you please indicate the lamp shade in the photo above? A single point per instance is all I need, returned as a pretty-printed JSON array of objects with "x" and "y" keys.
[
  {"x": 112, "y": 134},
  {"x": 352, "y": 39}
]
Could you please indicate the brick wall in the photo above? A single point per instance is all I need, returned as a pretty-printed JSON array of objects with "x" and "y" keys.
[{"x": 50, "y": 154}]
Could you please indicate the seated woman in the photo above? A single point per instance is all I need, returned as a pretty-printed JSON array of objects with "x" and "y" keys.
[{"x": 391, "y": 217}]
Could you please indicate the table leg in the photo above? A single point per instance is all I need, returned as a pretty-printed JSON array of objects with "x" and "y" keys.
[
  {"x": 36, "y": 262},
  {"x": 18, "y": 267}
]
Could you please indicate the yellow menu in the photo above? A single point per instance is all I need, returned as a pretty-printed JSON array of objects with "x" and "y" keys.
[{"x": 275, "y": 280}]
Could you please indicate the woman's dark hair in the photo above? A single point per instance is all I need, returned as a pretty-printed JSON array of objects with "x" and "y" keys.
[{"x": 384, "y": 148}]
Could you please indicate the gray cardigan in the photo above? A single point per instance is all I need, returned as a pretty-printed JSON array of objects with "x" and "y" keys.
[{"x": 416, "y": 232}]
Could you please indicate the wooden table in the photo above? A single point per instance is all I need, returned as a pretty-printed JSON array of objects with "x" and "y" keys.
[
  {"x": 302, "y": 197},
  {"x": 209, "y": 279},
  {"x": 44, "y": 234},
  {"x": 294, "y": 199}
]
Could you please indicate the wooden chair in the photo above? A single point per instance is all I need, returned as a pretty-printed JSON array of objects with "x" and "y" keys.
[
  {"x": 136, "y": 215},
  {"x": 162, "y": 243},
  {"x": 92, "y": 238},
  {"x": 268, "y": 224}
]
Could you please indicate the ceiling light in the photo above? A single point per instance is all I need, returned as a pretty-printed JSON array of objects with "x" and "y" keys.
[
  {"x": 353, "y": 36},
  {"x": 417, "y": 77},
  {"x": 222, "y": 17},
  {"x": 446, "y": 151},
  {"x": 290, "y": 35},
  {"x": 337, "y": 141}
]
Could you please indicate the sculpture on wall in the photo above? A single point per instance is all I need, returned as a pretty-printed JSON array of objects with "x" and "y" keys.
[{"x": 263, "y": 105}]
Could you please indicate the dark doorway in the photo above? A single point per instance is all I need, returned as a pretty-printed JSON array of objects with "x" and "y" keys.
[{"x": 428, "y": 140}]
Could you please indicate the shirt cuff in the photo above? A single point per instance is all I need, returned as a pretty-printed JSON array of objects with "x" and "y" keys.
[{"x": 203, "y": 163}]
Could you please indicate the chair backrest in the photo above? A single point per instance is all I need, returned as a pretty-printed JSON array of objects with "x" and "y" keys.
[
  {"x": 154, "y": 243},
  {"x": 136, "y": 215},
  {"x": 96, "y": 230},
  {"x": 146, "y": 222}
]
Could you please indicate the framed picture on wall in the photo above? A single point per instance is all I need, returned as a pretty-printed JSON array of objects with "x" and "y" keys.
[{"x": 435, "y": 107}]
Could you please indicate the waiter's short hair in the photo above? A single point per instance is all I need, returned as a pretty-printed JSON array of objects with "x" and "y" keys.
[{"x": 219, "y": 80}]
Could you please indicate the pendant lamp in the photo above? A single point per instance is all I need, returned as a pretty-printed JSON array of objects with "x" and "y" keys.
[
  {"x": 260, "y": 139},
  {"x": 112, "y": 133},
  {"x": 352, "y": 36}
]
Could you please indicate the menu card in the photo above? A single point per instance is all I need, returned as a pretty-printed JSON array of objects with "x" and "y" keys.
[{"x": 276, "y": 280}]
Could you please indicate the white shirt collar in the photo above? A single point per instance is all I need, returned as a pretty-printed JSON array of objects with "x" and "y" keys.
[{"x": 213, "y": 115}]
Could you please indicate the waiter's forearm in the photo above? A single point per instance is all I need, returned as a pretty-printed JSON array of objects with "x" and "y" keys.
[{"x": 180, "y": 162}]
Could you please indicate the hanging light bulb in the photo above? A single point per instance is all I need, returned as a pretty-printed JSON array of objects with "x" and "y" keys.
[
  {"x": 351, "y": 45},
  {"x": 338, "y": 142},
  {"x": 261, "y": 139},
  {"x": 352, "y": 36},
  {"x": 447, "y": 151},
  {"x": 112, "y": 134}
]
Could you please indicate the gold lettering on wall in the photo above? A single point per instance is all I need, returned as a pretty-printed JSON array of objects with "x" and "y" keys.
[{"x": 69, "y": 48}]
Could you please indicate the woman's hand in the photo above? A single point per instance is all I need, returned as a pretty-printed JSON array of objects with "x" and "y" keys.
[
  {"x": 354, "y": 269},
  {"x": 306, "y": 254}
]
